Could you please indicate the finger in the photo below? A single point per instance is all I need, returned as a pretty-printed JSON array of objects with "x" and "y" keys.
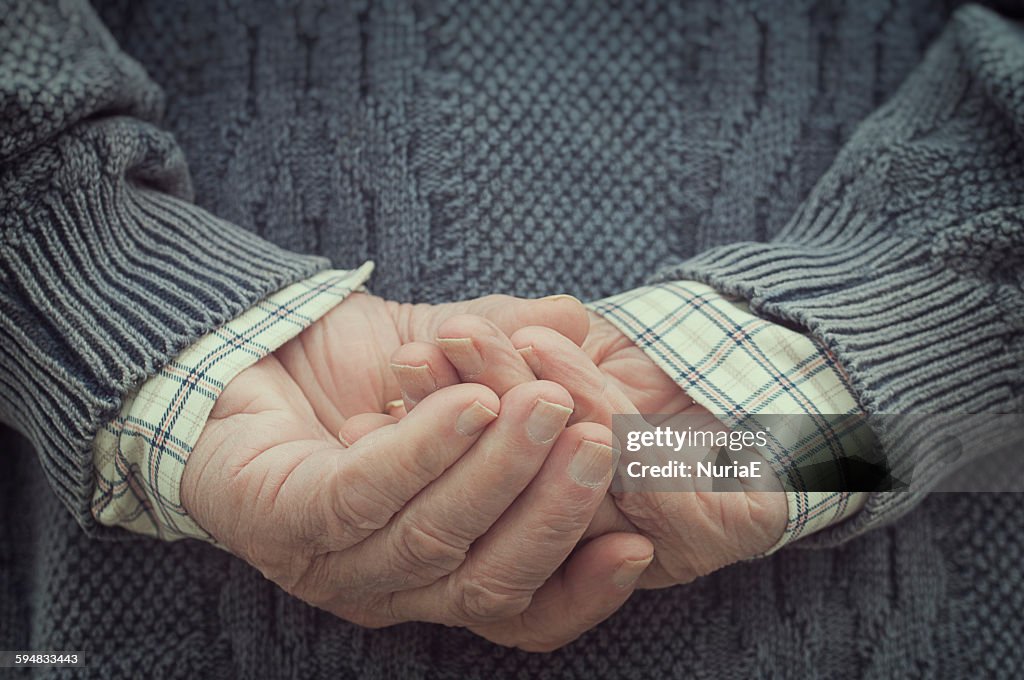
[
  {"x": 592, "y": 585},
  {"x": 388, "y": 466},
  {"x": 552, "y": 357},
  {"x": 566, "y": 364},
  {"x": 562, "y": 313},
  {"x": 608, "y": 520},
  {"x": 482, "y": 353},
  {"x": 356, "y": 427},
  {"x": 421, "y": 369},
  {"x": 430, "y": 537},
  {"x": 528, "y": 543}
]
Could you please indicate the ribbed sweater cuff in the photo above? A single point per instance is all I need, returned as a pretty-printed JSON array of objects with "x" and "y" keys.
[
  {"x": 913, "y": 336},
  {"x": 896, "y": 321},
  {"x": 100, "y": 289}
]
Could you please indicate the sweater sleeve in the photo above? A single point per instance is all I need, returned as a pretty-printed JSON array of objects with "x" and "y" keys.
[
  {"x": 907, "y": 258},
  {"x": 140, "y": 456},
  {"x": 106, "y": 269}
]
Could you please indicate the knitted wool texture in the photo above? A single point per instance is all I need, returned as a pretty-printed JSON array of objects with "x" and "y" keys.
[{"x": 817, "y": 158}]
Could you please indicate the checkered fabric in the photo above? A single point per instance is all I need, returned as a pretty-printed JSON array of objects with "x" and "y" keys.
[
  {"x": 729, "y": 360},
  {"x": 140, "y": 455},
  {"x": 739, "y": 365}
]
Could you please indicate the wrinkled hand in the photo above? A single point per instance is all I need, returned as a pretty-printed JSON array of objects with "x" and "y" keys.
[
  {"x": 694, "y": 531},
  {"x": 461, "y": 513}
]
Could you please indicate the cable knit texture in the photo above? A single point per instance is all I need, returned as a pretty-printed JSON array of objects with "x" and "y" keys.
[
  {"x": 106, "y": 269},
  {"x": 853, "y": 168}
]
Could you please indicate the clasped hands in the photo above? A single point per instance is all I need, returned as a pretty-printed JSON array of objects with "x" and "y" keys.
[{"x": 484, "y": 501}]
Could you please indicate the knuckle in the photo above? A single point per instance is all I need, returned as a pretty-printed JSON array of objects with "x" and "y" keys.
[
  {"x": 357, "y": 604},
  {"x": 421, "y": 548},
  {"x": 565, "y": 522},
  {"x": 644, "y": 508},
  {"x": 308, "y": 583},
  {"x": 424, "y": 467},
  {"x": 486, "y": 600},
  {"x": 368, "y": 613},
  {"x": 359, "y": 505}
]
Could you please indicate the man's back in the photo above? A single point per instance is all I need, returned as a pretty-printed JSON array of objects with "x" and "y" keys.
[{"x": 476, "y": 148}]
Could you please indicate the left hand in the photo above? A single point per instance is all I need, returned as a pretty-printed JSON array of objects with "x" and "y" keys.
[
  {"x": 433, "y": 518},
  {"x": 694, "y": 532}
]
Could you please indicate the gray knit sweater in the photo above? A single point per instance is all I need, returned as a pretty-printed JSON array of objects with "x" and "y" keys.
[{"x": 855, "y": 169}]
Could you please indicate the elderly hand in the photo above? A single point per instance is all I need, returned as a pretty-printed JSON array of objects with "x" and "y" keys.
[
  {"x": 694, "y": 531},
  {"x": 462, "y": 513}
]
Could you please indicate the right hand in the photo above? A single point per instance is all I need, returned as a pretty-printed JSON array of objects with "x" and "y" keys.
[
  {"x": 462, "y": 513},
  {"x": 694, "y": 530}
]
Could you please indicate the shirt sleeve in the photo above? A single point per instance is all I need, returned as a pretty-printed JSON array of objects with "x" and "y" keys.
[
  {"x": 139, "y": 456},
  {"x": 906, "y": 259},
  {"x": 732, "y": 361}
]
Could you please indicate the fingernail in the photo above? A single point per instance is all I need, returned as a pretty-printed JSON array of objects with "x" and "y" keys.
[
  {"x": 344, "y": 442},
  {"x": 591, "y": 463},
  {"x": 531, "y": 359},
  {"x": 474, "y": 419},
  {"x": 546, "y": 421},
  {"x": 416, "y": 381},
  {"x": 463, "y": 353},
  {"x": 629, "y": 571},
  {"x": 562, "y": 296}
]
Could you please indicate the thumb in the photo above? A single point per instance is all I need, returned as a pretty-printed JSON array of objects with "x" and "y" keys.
[{"x": 562, "y": 313}]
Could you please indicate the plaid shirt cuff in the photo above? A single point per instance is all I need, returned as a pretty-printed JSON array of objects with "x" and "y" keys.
[
  {"x": 736, "y": 364},
  {"x": 139, "y": 456}
]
